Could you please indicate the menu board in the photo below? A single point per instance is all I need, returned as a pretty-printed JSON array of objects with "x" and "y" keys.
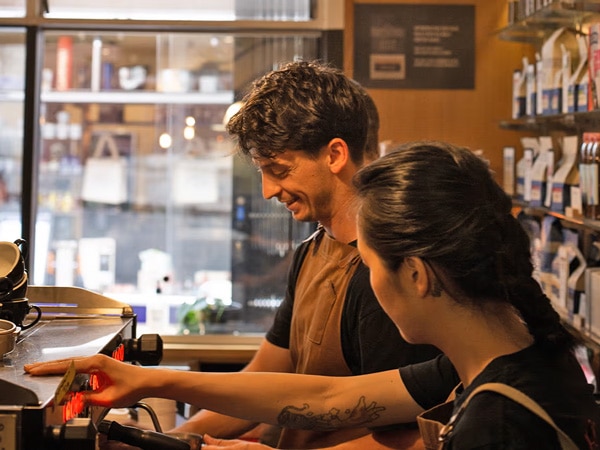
[{"x": 406, "y": 46}]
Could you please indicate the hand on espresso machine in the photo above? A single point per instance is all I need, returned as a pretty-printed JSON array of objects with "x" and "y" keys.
[{"x": 117, "y": 384}]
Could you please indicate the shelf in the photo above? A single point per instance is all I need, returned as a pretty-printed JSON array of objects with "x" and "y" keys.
[
  {"x": 536, "y": 27},
  {"x": 570, "y": 121},
  {"x": 138, "y": 97},
  {"x": 12, "y": 96},
  {"x": 589, "y": 224}
]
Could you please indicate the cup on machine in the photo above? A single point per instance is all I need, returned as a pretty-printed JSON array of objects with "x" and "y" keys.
[
  {"x": 17, "y": 311},
  {"x": 8, "y": 336},
  {"x": 13, "y": 276}
]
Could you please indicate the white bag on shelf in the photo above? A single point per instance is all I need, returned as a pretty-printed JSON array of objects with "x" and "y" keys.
[
  {"x": 195, "y": 181},
  {"x": 105, "y": 178}
]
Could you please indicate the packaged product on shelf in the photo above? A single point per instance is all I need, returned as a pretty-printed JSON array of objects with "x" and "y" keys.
[
  {"x": 539, "y": 82},
  {"x": 566, "y": 175},
  {"x": 590, "y": 158},
  {"x": 530, "y": 150},
  {"x": 583, "y": 170},
  {"x": 539, "y": 172},
  {"x": 577, "y": 98},
  {"x": 592, "y": 294},
  {"x": 594, "y": 65},
  {"x": 565, "y": 77},
  {"x": 508, "y": 178},
  {"x": 530, "y": 88},
  {"x": 64, "y": 63},
  {"x": 519, "y": 94},
  {"x": 561, "y": 40}
]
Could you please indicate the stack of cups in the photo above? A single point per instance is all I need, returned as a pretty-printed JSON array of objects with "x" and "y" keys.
[{"x": 14, "y": 305}]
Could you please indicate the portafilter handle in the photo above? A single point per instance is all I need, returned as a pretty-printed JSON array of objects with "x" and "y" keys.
[{"x": 144, "y": 439}]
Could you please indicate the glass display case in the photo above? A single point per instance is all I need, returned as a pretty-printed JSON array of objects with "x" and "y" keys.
[
  {"x": 140, "y": 196},
  {"x": 115, "y": 164}
]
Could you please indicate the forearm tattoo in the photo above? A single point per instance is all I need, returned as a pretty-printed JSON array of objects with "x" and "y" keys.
[{"x": 304, "y": 418}]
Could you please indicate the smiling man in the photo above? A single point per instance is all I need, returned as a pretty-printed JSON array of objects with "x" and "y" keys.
[{"x": 308, "y": 128}]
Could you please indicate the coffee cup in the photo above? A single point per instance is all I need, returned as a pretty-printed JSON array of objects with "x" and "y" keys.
[
  {"x": 8, "y": 291},
  {"x": 17, "y": 310},
  {"x": 6, "y": 288},
  {"x": 12, "y": 260},
  {"x": 19, "y": 290},
  {"x": 8, "y": 336}
]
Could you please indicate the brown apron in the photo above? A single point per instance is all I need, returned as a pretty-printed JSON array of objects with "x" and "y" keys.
[
  {"x": 315, "y": 331},
  {"x": 435, "y": 433}
]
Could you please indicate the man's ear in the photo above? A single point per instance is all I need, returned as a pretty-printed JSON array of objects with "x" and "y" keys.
[
  {"x": 419, "y": 275},
  {"x": 339, "y": 155}
]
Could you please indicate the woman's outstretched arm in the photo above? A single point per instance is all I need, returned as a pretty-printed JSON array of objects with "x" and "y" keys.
[{"x": 288, "y": 400}]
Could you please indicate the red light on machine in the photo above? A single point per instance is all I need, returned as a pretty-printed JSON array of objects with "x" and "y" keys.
[
  {"x": 94, "y": 382},
  {"x": 119, "y": 353},
  {"x": 73, "y": 406}
]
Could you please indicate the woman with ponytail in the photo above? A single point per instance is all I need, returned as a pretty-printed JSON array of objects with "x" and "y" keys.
[{"x": 451, "y": 266}]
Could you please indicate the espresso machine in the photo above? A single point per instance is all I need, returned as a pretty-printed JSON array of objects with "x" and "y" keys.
[{"x": 75, "y": 323}]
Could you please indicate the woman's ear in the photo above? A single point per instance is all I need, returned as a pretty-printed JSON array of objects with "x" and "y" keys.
[
  {"x": 339, "y": 155},
  {"x": 419, "y": 275}
]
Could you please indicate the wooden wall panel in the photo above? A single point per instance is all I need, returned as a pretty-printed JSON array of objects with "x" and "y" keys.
[{"x": 466, "y": 117}]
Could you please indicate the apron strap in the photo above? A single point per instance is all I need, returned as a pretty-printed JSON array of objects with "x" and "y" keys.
[{"x": 519, "y": 397}]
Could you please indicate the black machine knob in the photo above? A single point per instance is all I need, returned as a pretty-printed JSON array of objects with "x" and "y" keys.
[
  {"x": 144, "y": 439},
  {"x": 76, "y": 434},
  {"x": 147, "y": 350}
]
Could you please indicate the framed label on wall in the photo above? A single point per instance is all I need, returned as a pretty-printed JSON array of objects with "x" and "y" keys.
[{"x": 406, "y": 46}]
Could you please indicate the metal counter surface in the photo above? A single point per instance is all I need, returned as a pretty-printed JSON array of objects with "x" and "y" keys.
[{"x": 56, "y": 339}]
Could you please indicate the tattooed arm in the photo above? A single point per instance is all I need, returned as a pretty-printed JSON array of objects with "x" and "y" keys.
[{"x": 290, "y": 400}]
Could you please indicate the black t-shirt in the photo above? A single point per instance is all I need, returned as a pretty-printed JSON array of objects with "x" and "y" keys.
[
  {"x": 371, "y": 342},
  {"x": 494, "y": 422}
]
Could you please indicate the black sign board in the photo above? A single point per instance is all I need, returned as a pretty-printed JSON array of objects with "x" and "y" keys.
[{"x": 406, "y": 46}]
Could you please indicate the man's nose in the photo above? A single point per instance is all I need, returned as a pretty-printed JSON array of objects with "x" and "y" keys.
[{"x": 270, "y": 188}]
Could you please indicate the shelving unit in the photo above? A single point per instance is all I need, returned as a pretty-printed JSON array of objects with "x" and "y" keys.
[
  {"x": 572, "y": 122},
  {"x": 534, "y": 29},
  {"x": 138, "y": 97}
]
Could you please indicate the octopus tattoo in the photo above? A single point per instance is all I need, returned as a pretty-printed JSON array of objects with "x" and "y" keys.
[{"x": 303, "y": 418}]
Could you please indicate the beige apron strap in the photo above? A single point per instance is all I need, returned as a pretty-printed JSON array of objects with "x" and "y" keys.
[{"x": 514, "y": 394}]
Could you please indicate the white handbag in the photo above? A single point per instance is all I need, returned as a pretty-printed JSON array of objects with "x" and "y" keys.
[{"x": 105, "y": 178}]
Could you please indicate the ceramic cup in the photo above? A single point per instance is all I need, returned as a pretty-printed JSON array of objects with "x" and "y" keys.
[
  {"x": 12, "y": 260},
  {"x": 9, "y": 292},
  {"x": 8, "y": 336},
  {"x": 20, "y": 289},
  {"x": 16, "y": 311}
]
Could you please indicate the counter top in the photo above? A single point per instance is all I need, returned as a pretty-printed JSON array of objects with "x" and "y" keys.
[{"x": 210, "y": 348}]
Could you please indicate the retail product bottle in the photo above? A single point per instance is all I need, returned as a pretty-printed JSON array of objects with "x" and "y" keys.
[
  {"x": 519, "y": 94},
  {"x": 530, "y": 89},
  {"x": 64, "y": 63},
  {"x": 583, "y": 171}
]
